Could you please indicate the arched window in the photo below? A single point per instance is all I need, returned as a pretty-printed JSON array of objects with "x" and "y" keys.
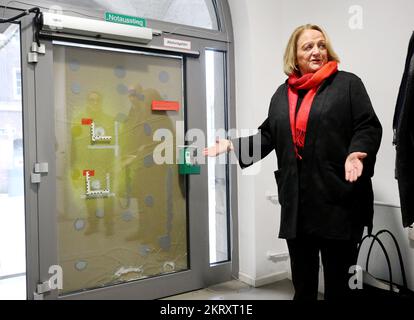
[{"x": 196, "y": 13}]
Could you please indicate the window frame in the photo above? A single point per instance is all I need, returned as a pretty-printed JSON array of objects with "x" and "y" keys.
[{"x": 224, "y": 33}]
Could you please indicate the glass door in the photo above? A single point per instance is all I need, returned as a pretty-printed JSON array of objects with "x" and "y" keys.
[
  {"x": 121, "y": 216},
  {"x": 115, "y": 218},
  {"x": 12, "y": 197}
]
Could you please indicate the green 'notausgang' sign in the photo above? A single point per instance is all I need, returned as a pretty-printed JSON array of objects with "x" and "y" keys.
[{"x": 123, "y": 19}]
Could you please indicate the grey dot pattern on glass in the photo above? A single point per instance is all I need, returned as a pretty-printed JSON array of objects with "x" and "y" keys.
[
  {"x": 147, "y": 129},
  {"x": 120, "y": 72},
  {"x": 81, "y": 265},
  {"x": 76, "y": 88},
  {"x": 149, "y": 161},
  {"x": 144, "y": 250},
  {"x": 79, "y": 224},
  {"x": 149, "y": 201},
  {"x": 164, "y": 77},
  {"x": 127, "y": 216},
  {"x": 122, "y": 89},
  {"x": 74, "y": 65},
  {"x": 165, "y": 242}
]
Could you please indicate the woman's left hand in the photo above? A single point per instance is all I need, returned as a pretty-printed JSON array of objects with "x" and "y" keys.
[{"x": 354, "y": 166}]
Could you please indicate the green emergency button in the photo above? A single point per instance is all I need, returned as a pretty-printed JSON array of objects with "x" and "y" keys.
[{"x": 187, "y": 161}]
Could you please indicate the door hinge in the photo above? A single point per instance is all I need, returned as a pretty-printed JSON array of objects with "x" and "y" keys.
[
  {"x": 55, "y": 282},
  {"x": 35, "y": 50},
  {"x": 41, "y": 289},
  {"x": 39, "y": 169}
]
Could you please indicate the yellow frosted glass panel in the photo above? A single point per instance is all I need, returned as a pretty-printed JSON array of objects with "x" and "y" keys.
[{"x": 121, "y": 217}]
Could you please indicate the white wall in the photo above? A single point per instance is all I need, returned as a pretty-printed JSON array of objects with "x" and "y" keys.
[
  {"x": 258, "y": 74},
  {"x": 376, "y": 53}
]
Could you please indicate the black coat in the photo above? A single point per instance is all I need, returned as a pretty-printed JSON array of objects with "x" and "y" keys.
[
  {"x": 404, "y": 139},
  {"x": 317, "y": 199}
]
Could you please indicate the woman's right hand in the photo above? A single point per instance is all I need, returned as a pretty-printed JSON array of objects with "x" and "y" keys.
[{"x": 221, "y": 146}]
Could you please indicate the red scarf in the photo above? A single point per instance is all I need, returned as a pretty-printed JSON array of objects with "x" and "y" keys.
[{"x": 311, "y": 82}]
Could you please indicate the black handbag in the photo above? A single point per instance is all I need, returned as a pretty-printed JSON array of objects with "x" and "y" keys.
[{"x": 376, "y": 288}]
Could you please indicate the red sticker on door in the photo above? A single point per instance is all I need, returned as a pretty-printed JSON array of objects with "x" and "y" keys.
[
  {"x": 91, "y": 173},
  {"x": 165, "y": 105},
  {"x": 87, "y": 122}
]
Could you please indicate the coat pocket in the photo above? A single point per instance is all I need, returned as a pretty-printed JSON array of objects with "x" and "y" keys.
[
  {"x": 336, "y": 188},
  {"x": 280, "y": 186}
]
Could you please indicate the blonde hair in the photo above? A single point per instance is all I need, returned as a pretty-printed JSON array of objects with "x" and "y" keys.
[{"x": 290, "y": 58}]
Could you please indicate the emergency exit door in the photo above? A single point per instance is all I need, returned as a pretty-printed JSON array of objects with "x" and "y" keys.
[
  {"x": 104, "y": 219},
  {"x": 116, "y": 209}
]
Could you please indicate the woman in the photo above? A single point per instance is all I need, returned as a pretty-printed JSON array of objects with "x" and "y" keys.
[{"x": 326, "y": 136}]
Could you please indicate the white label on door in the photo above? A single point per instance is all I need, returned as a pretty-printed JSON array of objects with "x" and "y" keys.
[{"x": 179, "y": 44}]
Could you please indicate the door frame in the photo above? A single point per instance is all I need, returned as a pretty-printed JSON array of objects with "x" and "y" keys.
[
  {"x": 41, "y": 220},
  {"x": 30, "y": 155}
]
